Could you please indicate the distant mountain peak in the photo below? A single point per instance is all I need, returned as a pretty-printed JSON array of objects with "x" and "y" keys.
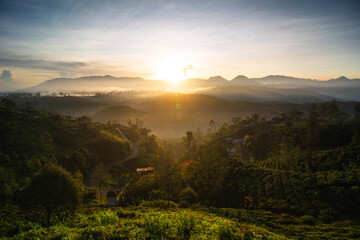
[
  {"x": 240, "y": 77},
  {"x": 342, "y": 78},
  {"x": 242, "y": 80},
  {"x": 217, "y": 78}
]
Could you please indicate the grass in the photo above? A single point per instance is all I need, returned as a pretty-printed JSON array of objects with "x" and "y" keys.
[{"x": 179, "y": 224}]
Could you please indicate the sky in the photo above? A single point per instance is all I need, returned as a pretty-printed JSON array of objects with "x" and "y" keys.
[{"x": 44, "y": 39}]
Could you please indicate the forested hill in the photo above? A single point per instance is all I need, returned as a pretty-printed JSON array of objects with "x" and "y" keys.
[
  {"x": 300, "y": 163},
  {"x": 303, "y": 167},
  {"x": 30, "y": 139}
]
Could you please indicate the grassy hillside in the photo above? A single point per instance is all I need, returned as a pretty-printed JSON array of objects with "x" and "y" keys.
[{"x": 154, "y": 223}]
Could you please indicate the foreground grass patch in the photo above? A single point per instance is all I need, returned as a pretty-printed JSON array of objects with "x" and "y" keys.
[{"x": 155, "y": 223}]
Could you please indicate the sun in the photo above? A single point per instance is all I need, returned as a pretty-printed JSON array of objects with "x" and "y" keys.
[{"x": 172, "y": 70}]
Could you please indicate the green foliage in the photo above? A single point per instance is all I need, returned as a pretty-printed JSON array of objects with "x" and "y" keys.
[
  {"x": 31, "y": 139},
  {"x": 162, "y": 204},
  {"x": 54, "y": 190},
  {"x": 185, "y": 225},
  {"x": 149, "y": 223},
  {"x": 188, "y": 195},
  {"x": 106, "y": 218},
  {"x": 308, "y": 220},
  {"x": 131, "y": 134}
]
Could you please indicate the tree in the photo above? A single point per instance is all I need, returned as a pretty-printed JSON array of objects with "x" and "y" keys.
[
  {"x": 53, "y": 189},
  {"x": 75, "y": 162},
  {"x": 209, "y": 169},
  {"x": 330, "y": 111},
  {"x": 101, "y": 179},
  {"x": 189, "y": 143},
  {"x": 356, "y": 125},
  {"x": 165, "y": 172},
  {"x": 312, "y": 134}
]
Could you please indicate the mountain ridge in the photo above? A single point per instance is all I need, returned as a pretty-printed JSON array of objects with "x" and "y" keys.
[{"x": 110, "y": 83}]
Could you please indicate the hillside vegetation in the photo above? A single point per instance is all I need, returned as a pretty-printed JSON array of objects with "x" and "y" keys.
[{"x": 294, "y": 176}]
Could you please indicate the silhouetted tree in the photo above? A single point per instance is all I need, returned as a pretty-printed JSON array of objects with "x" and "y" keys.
[
  {"x": 101, "y": 179},
  {"x": 189, "y": 143},
  {"x": 53, "y": 189}
]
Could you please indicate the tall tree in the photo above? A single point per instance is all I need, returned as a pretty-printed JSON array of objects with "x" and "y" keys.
[
  {"x": 312, "y": 134},
  {"x": 189, "y": 143},
  {"x": 101, "y": 179},
  {"x": 53, "y": 189}
]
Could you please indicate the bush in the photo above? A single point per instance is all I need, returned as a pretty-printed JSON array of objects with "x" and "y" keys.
[
  {"x": 125, "y": 214},
  {"x": 188, "y": 195},
  {"x": 89, "y": 195},
  {"x": 157, "y": 194},
  {"x": 226, "y": 231},
  {"x": 21, "y": 226},
  {"x": 308, "y": 220},
  {"x": 163, "y": 204},
  {"x": 106, "y": 218},
  {"x": 185, "y": 225},
  {"x": 157, "y": 226}
]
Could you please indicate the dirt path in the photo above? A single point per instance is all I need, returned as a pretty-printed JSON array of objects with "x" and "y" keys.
[{"x": 134, "y": 150}]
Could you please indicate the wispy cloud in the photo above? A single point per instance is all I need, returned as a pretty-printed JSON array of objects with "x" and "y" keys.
[
  {"x": 218, "y": 37},
  {"x": 24, "y": 62}
]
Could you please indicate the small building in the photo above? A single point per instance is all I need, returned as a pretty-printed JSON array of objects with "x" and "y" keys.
[
  {"x": 187, "y": 163},
  {"x": 142, "y": 171},
  {"x": 112, "y": 197}
]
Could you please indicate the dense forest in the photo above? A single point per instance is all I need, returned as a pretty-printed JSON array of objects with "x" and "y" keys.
[
  {"x": 300, "y": 169},
  {"x": 299, "y": 163}
]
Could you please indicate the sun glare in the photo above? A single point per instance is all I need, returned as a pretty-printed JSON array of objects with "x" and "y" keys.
[{"x": 173, "y": 71}]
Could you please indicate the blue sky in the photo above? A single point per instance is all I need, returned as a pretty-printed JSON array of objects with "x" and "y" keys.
[{"x": 44, "y": 39}]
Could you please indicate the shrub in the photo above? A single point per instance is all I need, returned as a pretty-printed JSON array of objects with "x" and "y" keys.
[
  {"x": 94, "y": 233},
  {"x": 157, "y": 194},
  {"x": 188, "y": 195},
  {"x": 248, "y": 235},
  {"x": 163, "y": 204},
  {"x": 21, "y": 226},
  {"x": 125, "y": 214},
  {"x": 308, "y": 220},
  {"x": 185, "y": 225},
  {"x": 156, "y": 225},
  {"x": 226, "y": 231},
  {"x": 105, "y": 218}
]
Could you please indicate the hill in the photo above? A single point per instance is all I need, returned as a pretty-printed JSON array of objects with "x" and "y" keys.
[
  {"x": 118, "y": 113},
  {"x": 242, "y": 80},
  {"x": 32, "y": 138},
  {"x": 100, "y": 83},
  {"x": 265, "y": 94}
]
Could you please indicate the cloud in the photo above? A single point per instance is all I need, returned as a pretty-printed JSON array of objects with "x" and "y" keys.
[
  {"x": 25, "y": 62},
  {"x": 6, "y": 76}
]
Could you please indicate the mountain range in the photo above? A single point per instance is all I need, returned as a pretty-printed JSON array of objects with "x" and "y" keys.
[
  {"x": 269, "y": 88},
  {"x": 277, "y": 81}
]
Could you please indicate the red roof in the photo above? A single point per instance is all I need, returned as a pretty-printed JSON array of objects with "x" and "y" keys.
[{"x": 187, "y": 162}]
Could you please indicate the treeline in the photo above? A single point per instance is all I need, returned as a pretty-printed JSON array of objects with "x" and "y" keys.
[{"x": 300, "y": 163}]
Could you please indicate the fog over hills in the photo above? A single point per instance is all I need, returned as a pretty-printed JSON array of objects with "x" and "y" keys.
[{"x": 269, "y": 88}]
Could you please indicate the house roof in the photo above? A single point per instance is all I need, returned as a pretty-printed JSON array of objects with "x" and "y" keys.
[
  {"x": 187, "y": 162},
  {"x": 148, "y": 169}
]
